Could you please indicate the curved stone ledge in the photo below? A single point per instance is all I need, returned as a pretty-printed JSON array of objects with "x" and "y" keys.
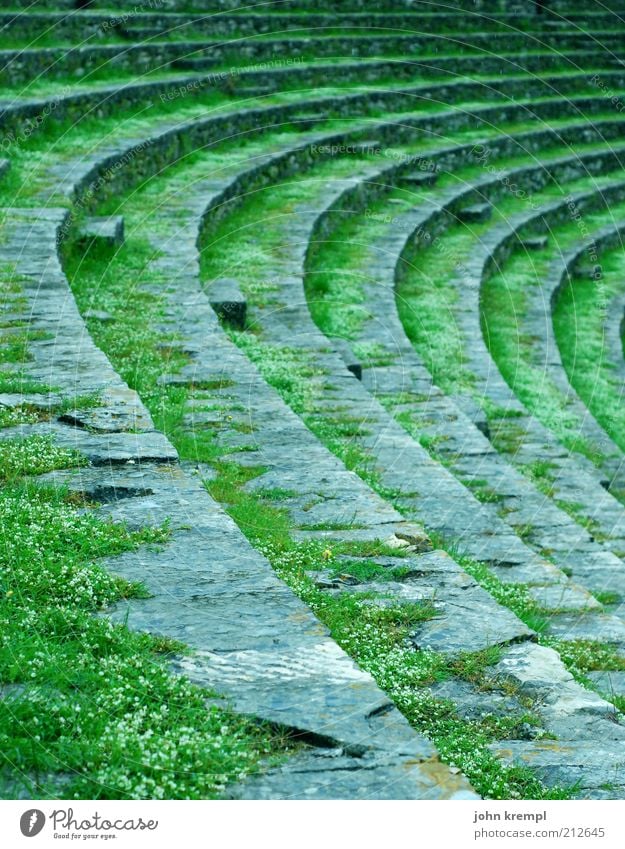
[
  {"x": 190, "y": 317},
  {"x": 228, "y": 59},
  {"x": 575, "y": 478},
  {"x": 474, "y": 10},
  {"x": 100, "y": 175},
  {"x": 583, "y": 716},
  {"x": 613, "y": 331},
  {"x": 22, "y": 117},
  {"x": 95, "y": 24}
]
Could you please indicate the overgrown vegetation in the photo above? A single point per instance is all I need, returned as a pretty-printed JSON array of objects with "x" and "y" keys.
[{"x": 110, "y": 719}]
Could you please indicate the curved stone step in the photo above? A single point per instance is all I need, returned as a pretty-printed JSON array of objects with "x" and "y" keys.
[
  {"x": 401, "y": 47},
  {"x": 95, "y": 24},
  {"x": 235, "y": 56},
  {"x": 194, "y": 309},
  {"x": 17, "y": 116},
  {"x": 496, "y": 246},
  {"x": 373, "y": 747},
  {"x": 287, "y": 321},
  {"x": 244, "y": 26},
  {"x": 580, "y": 756},
  {"x": 173, "y": 135},
  {"x": 572, "y": 131},
  {"x": 523, "y": 16},
  {"x": 322, "y": 492},
  {"x": 499, "y": 247}
]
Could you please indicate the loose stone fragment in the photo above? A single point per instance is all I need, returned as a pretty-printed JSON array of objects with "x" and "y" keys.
[
  {"x": 475, "y": 214},
  {"x": 421, "y": 179},
  {"x": 347, "y": 355},
  {"x": 228, "y": 302},
  {"x": 108, "y": 231}
]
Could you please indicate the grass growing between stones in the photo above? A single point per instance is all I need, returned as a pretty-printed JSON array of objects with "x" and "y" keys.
[
  {"x": 337, "y": 273},
  {"x": 377, "y": 637},
  {"x": 268, "y": 526},
  {"x": 89, "y": 710},
  {"x": 582, "y": 657},
  {"x": 226, "y": 746},
  {"x": 578, "y": 320},
  {"x": 34, "y": 455}
]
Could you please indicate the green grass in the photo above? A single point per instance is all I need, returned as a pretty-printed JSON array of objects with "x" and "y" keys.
[
  {"x": 338, "y": 271},
  {"x": 34, "y": 455},
  {"x": 113, "y": 283},
  {"x": 89, "y": 709},
  {"x": 378, "y": 639},
  {"x": 110, "y": 732}
]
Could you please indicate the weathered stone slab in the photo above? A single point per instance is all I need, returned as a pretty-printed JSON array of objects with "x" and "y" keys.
[
  {"x": 565, "y": 596},
  {"x": 566, "y": 708},
  {"x": 323, "y": 775},
  {"x": 256, "y": 642},
  {"x": 473, "y": 703},
  {"x": 602, "y": 627},
  {"x": 596, "y": 768},
  {"x": 31, "y": 399},
  {"x": 185, "y": 587}
]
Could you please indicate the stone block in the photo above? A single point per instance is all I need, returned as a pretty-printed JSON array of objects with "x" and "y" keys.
[
  {"x": 108, "y": 230},
  {"x": 420, "y": 179},
  {"x": 227, "y": 300},
  {"x": 535, "y": 243},
  {"x": 475, "y": 214}
]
